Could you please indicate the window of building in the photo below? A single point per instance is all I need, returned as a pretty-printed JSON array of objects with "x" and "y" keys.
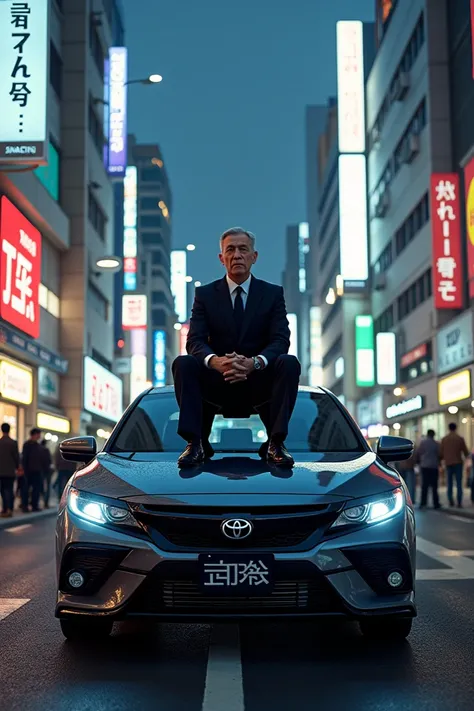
[
  {"x": 150, "y": 220},
  {"x": 335, "y": 310},
  {"x": 97, "y": 216},
  {"x": 151, "y": 238},
  {"x": 385, "y": 321},
  {"x": 101, "y": 359},
  {"x": 150, "y": 175},
  {"x": 333, "y": 351},
  {"x": 96, "y": 129},
  {"x": 149, "y": 203},
  {"x": 48, "y": 175},
  {"x": 158, "y": 318},
  {"x": 55, "y": 70},
  {"x": 158, "y": 297},
  {"x": 97, "y": 301},
  {"x": 329, "y": 251},
  {"x": 415, "y": 295},
  {"x": 323, "y": 229},
  {"x": 415, "y": 221},
  {"x": 384, "y": 262},
  {"x": 95, "y": 45}
]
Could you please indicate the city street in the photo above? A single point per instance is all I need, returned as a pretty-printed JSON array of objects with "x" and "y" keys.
[{"x": 277, "y": 667}]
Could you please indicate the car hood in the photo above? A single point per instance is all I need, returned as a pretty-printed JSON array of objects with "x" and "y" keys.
[{"x": 156, "y": 478}]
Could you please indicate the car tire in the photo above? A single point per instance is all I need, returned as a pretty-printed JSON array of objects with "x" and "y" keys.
[
  {"x": 386, "y": 629},
  {"x": 82, "y": 629}
]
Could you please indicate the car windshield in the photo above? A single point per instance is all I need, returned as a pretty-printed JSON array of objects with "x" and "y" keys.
[{"x": 318, "y": 424}]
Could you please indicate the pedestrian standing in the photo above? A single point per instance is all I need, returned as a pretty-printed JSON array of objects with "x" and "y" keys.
[
  {"x": 9, "y": 464},
  {"x": 428, "y": 457},
  {"x": 407, "y": 471},
  {"x": 453, "y": 453},
  {"x": 33, "y": 466},
  {"x": 65, "y": 471},
  {"x": 47, "y": 473}
]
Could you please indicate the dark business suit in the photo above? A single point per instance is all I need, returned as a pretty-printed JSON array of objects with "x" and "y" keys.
[{"x": 202, "y": 392}]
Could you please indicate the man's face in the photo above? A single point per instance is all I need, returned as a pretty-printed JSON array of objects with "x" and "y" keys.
[
  {"x": 36, "y": 437},
  {"x": 237, "y": 256}
]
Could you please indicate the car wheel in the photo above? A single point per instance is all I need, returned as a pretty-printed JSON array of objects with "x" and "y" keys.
[
  {"x": 85, "y": 629},
  {"x": 387, "y": 629}
]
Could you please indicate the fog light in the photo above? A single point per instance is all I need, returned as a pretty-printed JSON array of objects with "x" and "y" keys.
[
  {"x": 76, "y": 580},
  {"x": 395, "y": 579}
]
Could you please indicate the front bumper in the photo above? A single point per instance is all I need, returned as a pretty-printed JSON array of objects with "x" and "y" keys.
[{"x": 131, "y": 577}]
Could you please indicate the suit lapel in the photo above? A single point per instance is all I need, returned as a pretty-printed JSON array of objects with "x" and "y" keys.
[
  {"x": 254, "y": 298},
  {"x": 225, "y": 303}
]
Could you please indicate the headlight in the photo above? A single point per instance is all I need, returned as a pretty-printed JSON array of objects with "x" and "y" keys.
[
  {"x": 372, "y": 512},
  {"x": 92, "y": 509}
]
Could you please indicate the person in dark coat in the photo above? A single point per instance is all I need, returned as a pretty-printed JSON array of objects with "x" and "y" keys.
[
  {"x": 33, "y": 467},
  {"x": 47, "y": 474},
  {"x": 9, "y": 464}
]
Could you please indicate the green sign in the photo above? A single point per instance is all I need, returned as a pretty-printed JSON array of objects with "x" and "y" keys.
[
  {"x": 364, "y": 347},
  {"x": 48, "y": 175}
]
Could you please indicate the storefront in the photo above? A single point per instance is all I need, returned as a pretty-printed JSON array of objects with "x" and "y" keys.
[
  {"x": 455, "y": 398},
  {"x": 405, "y": 416},
  {"x": 103, "y": 400},
  {"x": 16, "y": 396}
]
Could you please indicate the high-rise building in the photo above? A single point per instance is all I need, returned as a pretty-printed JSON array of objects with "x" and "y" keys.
[{"x": 56, "y": 347}]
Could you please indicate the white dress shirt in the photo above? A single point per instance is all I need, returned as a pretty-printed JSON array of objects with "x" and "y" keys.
[{"x": 245, "y": 286}]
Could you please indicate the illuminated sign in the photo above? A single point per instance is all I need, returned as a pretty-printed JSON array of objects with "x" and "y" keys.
[
  {"x": 24, "y": 80},
  {"x": 303, "y": 249},
  {"x": 454, "y": 388},
  {"x": 386, "y": 358},
  {"x": 117, "y": 125},
  {"x": 315, "y": 346},
  {"x": 138, "y": 373},
  {"x": 414, "y": 355},
  {"x": 469, "y": 191},
  {"x": 405, "y": 407},
  {"x": 130, "y": 239},
  {"x": 20, "y": 270},
  {"x": 446, "y": 241},
  {"x": 183, "y": 337},
  {"x": 339, "y": 367},
  {"x": 364, "y": 346},
  {"x": 293, "y": 324},
  {"x": 353, "y": 217},
  {"x": 103, "y": 391},
  {"x": 179, "y": 285},
  {"x": 455, "y": 344},
  {"x": 159, "y": 359},
  {"x": 134, "y": 311},
  {"x": 16, "y": 382},
  {"x": 350, "y": 87},
  {"x": 45, "y": 421}
]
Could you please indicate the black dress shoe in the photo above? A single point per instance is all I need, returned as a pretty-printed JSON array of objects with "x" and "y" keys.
[
  {"x": 192, "y": 455},
  {"x": 262, "y": 452},
  {"x": 278, "y": 454}
]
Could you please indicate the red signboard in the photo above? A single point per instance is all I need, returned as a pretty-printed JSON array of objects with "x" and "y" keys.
[
  {"x": 469, "y": 189},
  {"x": 446, "y": 238},
  {"x": 20, "y": 270},
  {"x": 414, "y": 355},
  {"x": 130, "y": 264}
]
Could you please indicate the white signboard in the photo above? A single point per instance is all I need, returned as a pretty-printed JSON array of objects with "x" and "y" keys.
[
  {"x": 386, "y": 359},
  {"x": 455, "y": 344},
  {"x": 103, "y": 391},
  {"x": 293, "y": 324},
  {"x": 138, "y": 381},
  {"x": 350, "y": 87},
  {"x": 353, "y": 218},
  {"x": 16, "y": 383},
  {"x": 134, "y": 311},
  {"x": 179, "y": 285},
  {"x": 404, "y": 407},
  {"x": 24, "y": 80}
]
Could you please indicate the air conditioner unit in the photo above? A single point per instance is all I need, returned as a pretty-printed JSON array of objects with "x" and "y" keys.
[
  {"x": 383, "y": 204},
  {"x": 412, "y": 148},
  {"x": 380, "y": 282},
  {"x": 401, "y": 86}
]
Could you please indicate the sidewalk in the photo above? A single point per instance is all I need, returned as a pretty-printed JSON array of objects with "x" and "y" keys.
[
  {"x": 467, "y": 510},
  {"x": 20, "y": 519}
]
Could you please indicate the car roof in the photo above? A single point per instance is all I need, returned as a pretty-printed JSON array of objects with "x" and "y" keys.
[{"x": 167, "y": 389}]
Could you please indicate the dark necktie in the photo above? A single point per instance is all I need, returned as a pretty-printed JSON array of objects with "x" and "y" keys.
[{"x": 238, "y": 308}]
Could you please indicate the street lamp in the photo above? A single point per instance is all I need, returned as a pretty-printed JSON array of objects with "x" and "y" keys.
[
  {"x": 189, "y": 279},
  {"x": 190, "y": 247},
  {"x": 152, "y": 79},
  {"x": 110, "y": 264}
]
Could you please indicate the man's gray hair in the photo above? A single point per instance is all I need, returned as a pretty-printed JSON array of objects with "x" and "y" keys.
[{"x": 238, "y": 231}]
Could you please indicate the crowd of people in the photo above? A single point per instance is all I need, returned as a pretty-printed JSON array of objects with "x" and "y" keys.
[
  {"x": 431, "y": 458},
  {"x": 28, "y": 477}
]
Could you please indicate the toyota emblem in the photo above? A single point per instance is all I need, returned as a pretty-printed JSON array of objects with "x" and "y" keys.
[{"x": 236, "y": 528}]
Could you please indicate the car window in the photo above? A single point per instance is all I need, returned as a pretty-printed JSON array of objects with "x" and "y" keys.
[{"x": 318, "y": 424}]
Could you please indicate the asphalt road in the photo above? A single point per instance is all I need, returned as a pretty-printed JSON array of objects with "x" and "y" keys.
[{"x": 270, "y": 667}]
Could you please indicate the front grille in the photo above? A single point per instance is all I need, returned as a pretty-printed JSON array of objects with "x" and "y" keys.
[
  {"x": 173, "y": 587},
  {"x": 375, "y": 563},
  {"x": 195, "y": 530},
  {"x": 96, "y": 563}
]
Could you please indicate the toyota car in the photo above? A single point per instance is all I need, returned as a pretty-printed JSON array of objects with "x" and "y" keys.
[{"x": 236, "y": 538}]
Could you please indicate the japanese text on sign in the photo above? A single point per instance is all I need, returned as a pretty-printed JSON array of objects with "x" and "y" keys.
[
  {"x": 20, "y": 12},
  {"x": 222, "y": 574},
  {"x": 447, "y": 269}
]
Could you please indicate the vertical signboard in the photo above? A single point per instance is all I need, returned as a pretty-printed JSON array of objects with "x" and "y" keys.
[
  {"x": 469, "y": 190},
  {"x": 350, "y": 87},
  {"x": 293, "y": 324},
  {"x": 159, "y": 359},
  {"x": 353, "y": 236},
  {"x": 386, "y": 358},
  {"x": 315, "y": 346},
  {"x": 24, "y": 80},
  {"x": 364, "y": 343},
  {"x": 20, "y": 270},
  {"x": 138, "y": 368},
  {"x": 134, "y": 311},
  {"x": 446, "y": 240},
  {"x": 179, "y": 286},
  {"x": 130, "y": 228},
  {"x": 303, "y": 249},
  {"x": 117, "y": 158}
]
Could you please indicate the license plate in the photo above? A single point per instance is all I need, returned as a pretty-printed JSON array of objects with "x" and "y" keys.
[{"x": 233, "y": 574}]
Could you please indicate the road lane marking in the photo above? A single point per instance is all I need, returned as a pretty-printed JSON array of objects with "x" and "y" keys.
[
  {"x": 17, "y": 529},
  {"x": 224, "y": 689},
  {"x": 9, "y": 605},
  {"x": 461, "y": 565},
  {"x": 461, "y": 518},
  {"x": 438, "y": 574}
]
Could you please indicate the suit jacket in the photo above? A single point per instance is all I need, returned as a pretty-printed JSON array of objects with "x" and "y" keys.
[
  {"x": 265, "y": 330},
  {"x": 9, "y": 457}
]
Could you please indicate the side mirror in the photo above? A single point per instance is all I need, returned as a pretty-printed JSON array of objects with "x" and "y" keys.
[
  {"x": 394, "y": 449},
  {"x": 78, "y": 449}
]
